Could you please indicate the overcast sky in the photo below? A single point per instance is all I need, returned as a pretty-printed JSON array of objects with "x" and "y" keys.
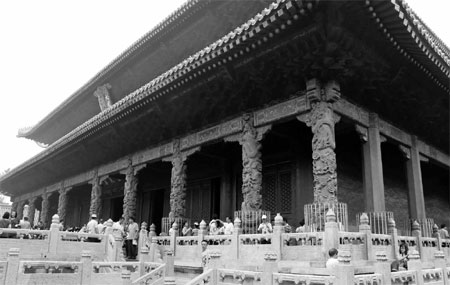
[{"x": 49, "y": 49}]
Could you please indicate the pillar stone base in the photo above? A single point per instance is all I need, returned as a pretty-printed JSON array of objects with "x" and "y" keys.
[
  {"x": 250, "y": 220},
  {"x": 315, "y": 215},
  {"x": 378, "y": 221}
]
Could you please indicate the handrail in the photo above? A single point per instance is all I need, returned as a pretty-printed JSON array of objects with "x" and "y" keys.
[
  {"x": 157, "y": 273},
  {"x": 203, "y": 278}
]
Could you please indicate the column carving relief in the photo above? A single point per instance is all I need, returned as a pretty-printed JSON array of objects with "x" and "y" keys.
[
  {"x": 32, "y": 210},
  {"x": 44, "y": 208},
  {"x": 104, "y": 99},
  {"x": 251, "y": 166},
  {"x": 96, "y": 195},
  {"x": 322, "y": 119},
  {"x": 62, "y": 202},
  {"x": 130, "y": 190},
  {"x": 20, "y": 207}
]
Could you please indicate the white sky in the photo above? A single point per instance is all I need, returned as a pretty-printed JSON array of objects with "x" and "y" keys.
[{"x": 50, "y": 48}]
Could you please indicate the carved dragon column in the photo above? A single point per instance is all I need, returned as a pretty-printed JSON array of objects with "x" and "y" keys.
[
  {"x": 321, "y": 118},
  {"x": 20, "y": 208},
  {"x": 44, "y": 208},
  {"x": 62, "y": 202},
  {"x": 96, "y": 196},
  {"x": 130, "y": 190},
  {"x": 32, "y": 210}
]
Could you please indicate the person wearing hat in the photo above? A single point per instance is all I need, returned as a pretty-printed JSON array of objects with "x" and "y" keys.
[
  {"x": 91, "y": 228},
  {"x": 265, "y": 227}
]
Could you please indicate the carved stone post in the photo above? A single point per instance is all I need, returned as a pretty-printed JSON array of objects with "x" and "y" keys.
[
  {"x": 322, "y": 119},
  {"x": 44, "y": 209},
  {"x": 32, "y": 210},
  {"x": 62, "y": 202},
  {"x": 130, "y": 191},
  {"x": 96, "y": 196}
]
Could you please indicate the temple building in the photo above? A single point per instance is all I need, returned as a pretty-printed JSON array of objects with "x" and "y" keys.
[{"x": 234, "y": 107}]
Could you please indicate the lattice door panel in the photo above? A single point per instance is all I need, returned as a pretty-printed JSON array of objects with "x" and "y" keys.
[{"x": 277, "y": 189}]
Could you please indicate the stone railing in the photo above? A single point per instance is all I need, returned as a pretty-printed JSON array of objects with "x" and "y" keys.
[
  {"x": 355, "y": 243},
  {"x": 285, "y": 278},
  {"x": 85, "y": 271},
  {"x": 155, "y": 276},
  {"x": 60, "y": 245},
  {"x": 207, "y": 277},
  {"x": 302, "y": 246}
]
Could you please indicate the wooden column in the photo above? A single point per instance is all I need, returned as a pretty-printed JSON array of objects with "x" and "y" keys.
[
  {"x": 62, "y": 202},
  {"x": 44, "y": 209},
  {"x": 225, "y": 190},
  {"x": 130, "y": 191},
  {"x": 96, "y": 196},
  {"x": 373, "y": 183},
  {"x": 416, "y": 199},
  {"x": 20, "y": 207},
  {"x": 32, "y": 210}
]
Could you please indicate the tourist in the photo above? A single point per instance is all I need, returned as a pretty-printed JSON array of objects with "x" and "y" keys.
[
  {"x": 265, "y": 227},
  {"x": 205, "y": 255},
  {"x": 195, "y": 229},
  {"x": 443, "y": 233},
  {"x": 14, "y": 220},
  {"x": 332, "y": 262},
  {"x": 100, "y": 226},
  {"x": 187, "y": 230},
  {"x": 118, "y": 228},
  {"x": 61, "y": 225},
  {"x": 401, "y": 263},
  {"x": 131, "y": 239},
  {"x": 4, "y": 223},
  {"x": 228, "y": 227},
  {"x": 287, "y": 227},
  {"x": 39, "y": 226},
  {"x": 25, "y": 224},
  {"x": 301, "y": 228},
  {"x": 91, "y": 228},
  {"x": 213, "y": 228}
]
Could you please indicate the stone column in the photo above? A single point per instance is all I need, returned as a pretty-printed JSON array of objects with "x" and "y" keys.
[
  {"x": 130, "y": 190},
  {"x": 251, "y": 166},
  {"x": 20, "y": 207},
  {"x": 32, "y": 210},
  {"x": 414, "y": 175},
  {"x": 62, "y": 202},
  {"x": 373, "y": 183},
  {"x": 96, "y": 196},
  {"x": 44, "y": 208},
  {"x": 178, "y": 184},
  {"x": 322, "y": 119}
]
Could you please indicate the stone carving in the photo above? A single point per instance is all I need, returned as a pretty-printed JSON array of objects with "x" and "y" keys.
[
  {"x": 20, "y": 208},
  {"x": 96, "y": 196},
  {"x": 32, "y": 209},
  {"x": 178, "y": 184},
  {"x": 62, "y": 202},
  {"x": 130, "y": 192},
  {"x": 102, "y": 93},
  {"x": 252, "y": 167},
  {"x": 322, "y": 119},
  {"x": 281, "y": 110},
  {"x": 44, "y": 208}
]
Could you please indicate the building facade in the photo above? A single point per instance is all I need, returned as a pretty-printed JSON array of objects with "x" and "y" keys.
[{"x": 301, "y": 105}]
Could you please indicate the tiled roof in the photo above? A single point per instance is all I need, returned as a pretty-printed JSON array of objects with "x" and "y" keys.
[{"x": 241, "y": 40}]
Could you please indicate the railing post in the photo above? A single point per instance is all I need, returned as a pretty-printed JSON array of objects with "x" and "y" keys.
[
  {"x": 278, "y": 230},
  {"x": 13, "y": 266},
  {"x": 109, "y": 229},
  {"x": 415, "y": 264},
  {"x": 86, "y": 265},
  {"x": 416, "y": 232},
  {"x": 126, "y": 277},
  {"x": 383, "y": 267},
  {"x": 214, "y": 263},
  {"x": 54, "y": 233},
  {"x": 235, "y": 240},
  {"x": 202, "y": 232},
  {"x": 143, "y": 235},
  {"x": 118, "y": 246},
  {"x": 270, "y": 266},
  {"x": 392, "y": 230},
  {"x": 143, "y": 258},
  {"x": 331, "y": 234},
  {"x": 344, "y": 272},
  {"x": 152, "y": 232},
  {"x": 173, "y": 237},
  {"x": 169, "y": 259},
  {"x": 439, "y": 262},
  {"x": 364, "y": 227}
]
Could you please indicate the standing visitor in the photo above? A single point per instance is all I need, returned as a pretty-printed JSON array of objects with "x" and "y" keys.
[
  {"x": 228, "y": 227},
  {"x": 14, "y": 219},
  {"x": 265, "y": 227},
  {"x": 4, "y": 223},
  {"x": 443, "y": 231},
  {"x": 187, "y": 230},
  {"x": 401, "y": 264},
  {"x": 91, "y": 228},
  {"x": 332, "y": 262},
  {"x": 25, "y": 224},
  {"x": 195, "y": 229},
  {"x": 301, "y": 228},
  {"x": 205, "y": 255},
  {"x": 132, "y": 237}
]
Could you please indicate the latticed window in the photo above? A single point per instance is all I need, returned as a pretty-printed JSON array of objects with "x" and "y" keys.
[{"x": 277, "y": 188}]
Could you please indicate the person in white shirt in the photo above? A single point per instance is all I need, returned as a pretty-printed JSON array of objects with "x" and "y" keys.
[
  {"x": 443, "y": 231},
  {"x": 100, "y": 227},
  {"x": 91, "y": 228},
  {"x": 265, "y": 227},
  {"x": 228, "y": 227},
  {"x": 332, "y": 262},
  {"x": 301, "y": 228},
  {"x": 132, "y": 238}
]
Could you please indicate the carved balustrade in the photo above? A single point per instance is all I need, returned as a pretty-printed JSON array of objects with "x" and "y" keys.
[
  {"x": 218, "y": 239},
  {"x": 233, "y": 276},
  {"x": 255, "y": 239},
  {"x": 434, "y": 276},
  {"x": 355, "y": 243},
  {"x": 206, "y": 277},
  {"x": 368, "y": 279},
  {"x": 302, "y": 246},
  {"x": 283, "y": 278},
  {"x": 303, "y": 239},
  {"x": 156, "y": 274},
  {"x": 411, "y": 242},
  {"x": 445, "y": 246},
  {"x": 188, "y": 241},
  {"x": 382, "y": 243},
  {"x": 45, "y": 272},
  {"x": 404, "y": 277},
  {"x": 28, "y": 267}
]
